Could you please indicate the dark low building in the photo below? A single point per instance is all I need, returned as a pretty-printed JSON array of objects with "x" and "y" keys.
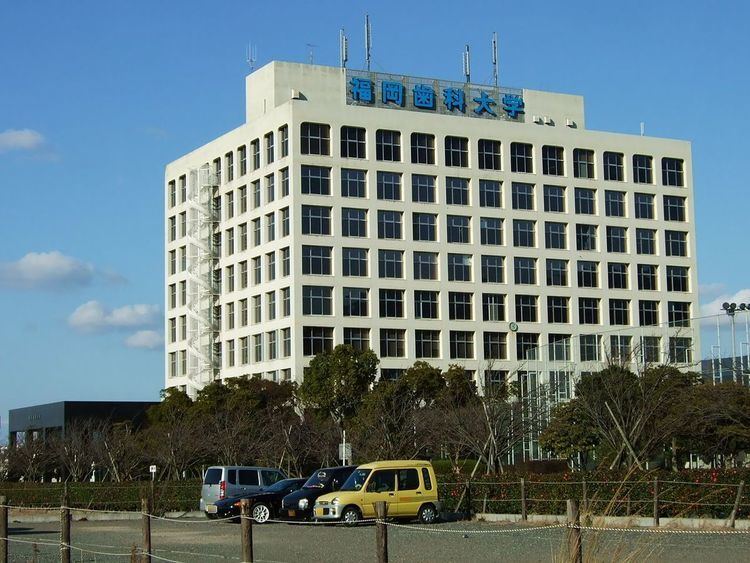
[{"x": 41, "y": 421}]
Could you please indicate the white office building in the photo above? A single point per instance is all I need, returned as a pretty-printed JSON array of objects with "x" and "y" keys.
[{"x": 427, "y": 220}]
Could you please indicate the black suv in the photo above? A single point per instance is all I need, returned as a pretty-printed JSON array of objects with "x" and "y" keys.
[{"x": 299, "y": 504}]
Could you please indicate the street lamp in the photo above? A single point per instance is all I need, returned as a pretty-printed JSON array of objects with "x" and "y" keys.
[{"x": 731, "y": 309}]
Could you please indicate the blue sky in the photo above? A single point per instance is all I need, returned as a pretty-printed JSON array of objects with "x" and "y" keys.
[{"x": 95, "y": 98}]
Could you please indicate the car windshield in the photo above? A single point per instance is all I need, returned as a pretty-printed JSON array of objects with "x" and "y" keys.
[
  {"x": 318, "y": 480},
  {"x": 279, "y": 486},
  {"x": 356, "y": 480}
]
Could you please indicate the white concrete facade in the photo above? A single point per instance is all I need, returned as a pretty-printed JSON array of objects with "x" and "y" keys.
[{"x": 209, "y": 335}]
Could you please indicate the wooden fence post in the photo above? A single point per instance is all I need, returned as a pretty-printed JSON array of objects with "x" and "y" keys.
[
  {"x": 656, "y": 502},
  {"x": 146, "y": 520},
  {"x": 247, "y": 531},
  {"x": 575, "y": 546},
  {"x": 381, "y": 531},
  {"x": 468, "y": 498},
  {"x": 65, "y": 526},
  {"x": 585, "y": 502},
  {"x": 736, "y": 507},
  {"x": 3, "y": 530},
  {"x": 524, "y": 514}
]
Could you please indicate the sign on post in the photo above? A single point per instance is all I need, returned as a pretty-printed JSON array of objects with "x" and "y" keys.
[{"x": 152, "y": 470}]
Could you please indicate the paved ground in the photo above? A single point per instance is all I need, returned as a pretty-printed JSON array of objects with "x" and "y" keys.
[{"x": 276, "y": 543}]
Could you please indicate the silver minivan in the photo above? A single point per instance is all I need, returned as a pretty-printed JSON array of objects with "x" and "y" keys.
[{"x": 228, "y": 481}]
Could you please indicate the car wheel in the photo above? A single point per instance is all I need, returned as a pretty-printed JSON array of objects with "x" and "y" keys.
[
  {"x": 427, "y": 514},
  {"x": 261, "y": 513},
  {"x": 351, "y": 515}
]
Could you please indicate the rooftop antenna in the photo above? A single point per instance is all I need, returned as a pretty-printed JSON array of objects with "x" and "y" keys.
[
  {"x": 343, "y": 48},
  {"x": 467, "y": 65},
  {"x": 368, "y": 41},
  {"x": 311, "y": 48},
  {"x": 494, "y": 57},
  {"x": 251, "y": 56},
  {"x": 643, "y": 128}
]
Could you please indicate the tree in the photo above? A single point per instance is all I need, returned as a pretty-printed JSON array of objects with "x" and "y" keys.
[
  {"x": 569, "y": 434},
  {"x": 338, "y": 380}
]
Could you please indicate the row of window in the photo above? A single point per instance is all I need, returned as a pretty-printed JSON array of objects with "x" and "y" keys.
[{"x": 315, "y": 140}]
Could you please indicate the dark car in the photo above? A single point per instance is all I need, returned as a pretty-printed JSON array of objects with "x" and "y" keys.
[
  {"x": 299, "y": 504},
  {"x": 264, "y": 505}
]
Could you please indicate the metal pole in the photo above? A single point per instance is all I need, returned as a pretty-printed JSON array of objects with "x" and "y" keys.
[
  {"x": 735, "y": 376},
  {"x": 656, "y": 502}
]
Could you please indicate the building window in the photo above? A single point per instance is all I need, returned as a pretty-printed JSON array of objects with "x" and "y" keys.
[
  {"x": 617, "y": 239},
  {"x": 672, "y": 172},
  {"x": 271, "y": 226},
  {"x": 557, "y": 272},
  {"x": 353, "y": 142},
  {"x": 255, "y": 149},
  {"x": 426, "y": 305},
  {"x": 460, "y": 306},
  {"x": 285, "y": 262},
  {"x": 284, "y": 181},
  {"x": 256, "y": 194},
  {"x": 588, "y": 274},
  {"x": 391, "y": 303},
  {"x": 527, "y": 345},
  {"x": 651, "y": 349},
  {"x": 458, "y": 229},
  {"x": 425, "y": 266},
  {"x": 521, "y": 158},
  {"x": 389, "y": 186},
  {"x": 559, "y": 351},
  {"x": 524, "y": 270},
  {"x": 285, "y": 225},
  {"x": 645, "y": 241},
  {"x": 427, "y": 343},
  {"x": 590, "y": 344},
  {"x": 316, "y": 220},
  {"x": 172, "y": 186},
  {"x": 316, "y": 260},
  {"x": 353, "y": 222},
  {"x": 648, "y": 313},
  {"x": 459, "y": 267},
  {"x": 679, "y": 313},
  {"x": 316, "y": 138},
  {"x": 585, "y": 200},
  {"x": 354, "y": 262},
  {"x": 490, "y": 194},
  {"x": 391, "y": 264},
  {"x": 244, "y": 351},
  {"x": 356, "y": 302},
  {"x": 316, "y": 340},
  {"x": 422, "y": 148},
  {"x": 675, "y": 243},
  {"x": 284, "y": 135},
  {"x": 619, "y": 312},
  {"x": 424, "y": 226},
  {"x": 674, "y": 208},
  {"x": 269, "y": 148},
  {"x": 257, "y": 309},
  {"x": 353, "y": 183},
  {"x": 647, "y": 276},
  {"x": 522, "y": 196},
  {"x": 317, "y": 300},
  {"x": 388, "y": 145},
  {"x": 461, "y": 344},
  {"x": 493, "y": 307},
  {"x": 524, "y": 233},
  {"x": 588, "y": 311},
  {"x": 492, "y": 269},
  {"x": 243, "y": 312},
  {"x": 583, "y": 163},
  {"x": 555, "y": 235},
  {"x": 491, "y": 231},
  {"x": 677, "y": 278},
  {"x": 456, "y": 191},
  {"x": 526, "y": 308},
  {"x": 243, "y": 199},
  {"x": 457, "y": 151},
  {"x": 613, "y": 166},
  {"x": 172, "y": 229},
  {"x": 586, "y": 237},
  {"x": 557, "y": 309},
  {"x": 243, "y": 274},
  {"x": 392, "y": 343},
  {"x": 488, "y": 151},
  {"x": 680, "y": 350},
  {"x": 357, "y": 338},
  {"x": 389, "y": 224},
  {"x": 643, "y": 172},
  {"x": 614, "y": 203},
  {"x": 422, "y": 188},
  {"x": 617, "y": 275},
  {"x": 315, "y": 180},
  {"x": 553, "y": 162},
  {"x": 286, "y": 302},
  {"x": 270, "y": 188},
  {"x": 644, "y": 206},
  {"x": 554, "y": 199},
  {"x": 272, "y": 346}
]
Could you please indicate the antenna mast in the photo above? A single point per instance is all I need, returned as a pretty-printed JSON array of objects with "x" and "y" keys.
[
  {"x": 251, "y": 56},
  {"x": 494, "y": 57},
  {"x": 467, "y": 65},
  {"x": 343, "y": 48},
  {"x": 368, "y": 41},
  {"x": 311, "y": 47}
]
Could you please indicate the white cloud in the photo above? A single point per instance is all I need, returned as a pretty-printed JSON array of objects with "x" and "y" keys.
[
  {"x": 149, "y": 339},
  {"x": 713, "y": 307},
  {"x": 45, "y": 270},
  {"x": 92, "y": 316},
  {"x": 20, "y": 139}
]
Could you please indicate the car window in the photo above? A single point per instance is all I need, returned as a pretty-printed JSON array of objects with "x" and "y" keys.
[
  {"x": 426, "y": 479},
  {"x": 270, "y": 477},
  {"x": 232, "y": 476},
  {"x": 248, "y": 477},
  {"x": 382, "y": 481},
  {"x": 408, "y": 479},
  {"x": 213, "y": 476},
  {"x": 356, "y": 480}
]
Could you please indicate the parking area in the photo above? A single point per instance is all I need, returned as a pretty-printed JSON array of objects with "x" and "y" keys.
[{"x": 187, "y": 541}]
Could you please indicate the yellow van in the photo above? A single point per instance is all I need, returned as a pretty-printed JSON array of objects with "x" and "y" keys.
[{"x": 408, "y": 487}]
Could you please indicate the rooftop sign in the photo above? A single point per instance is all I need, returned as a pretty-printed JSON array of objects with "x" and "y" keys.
[{"x": 379, "y": 90}]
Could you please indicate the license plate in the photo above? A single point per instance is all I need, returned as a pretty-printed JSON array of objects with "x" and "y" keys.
[
  {"x": 318, "y": 512},
  {"x": 211, "y": 508},
  {"x": 292, "y": 513}
]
